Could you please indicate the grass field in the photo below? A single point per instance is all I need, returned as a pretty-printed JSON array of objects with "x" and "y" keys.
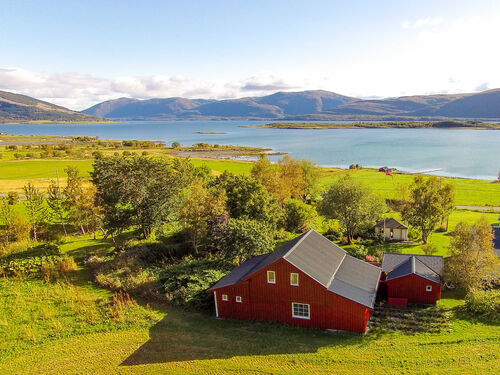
[
  {"x": 71, "y": 332},
  {"x": 15, "y": 174}
]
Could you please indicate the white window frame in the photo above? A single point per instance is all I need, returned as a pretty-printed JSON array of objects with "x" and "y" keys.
[
  {"x": 224, "y": 297},
  {"x": 239, "y": 299},
  {"x": 291, "y": 279},
  {"x": 269, "y": 281},
  {"x": 428, "y": 288},
  {"x": 308, "y": 317}
]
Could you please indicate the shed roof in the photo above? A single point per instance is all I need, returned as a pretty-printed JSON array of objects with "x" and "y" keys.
[
  {"x": 391, "y": 223},
  {"x": 323, "y": 261},
  {"x": 413, "y": 266},
  {"x": 391, "y": 260}
]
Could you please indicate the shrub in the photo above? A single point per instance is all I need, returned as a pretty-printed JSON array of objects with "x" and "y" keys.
[
  {"x": 299, "y": 216},
  {"x": 357, "y": 251},
  {"x": 185, "y": 283},
  {"x": 484, "y": 303},
  {"x": 176, "y": 144},
  {"x": 66, "y": 264},
  {"x": 333, "y": 234}
]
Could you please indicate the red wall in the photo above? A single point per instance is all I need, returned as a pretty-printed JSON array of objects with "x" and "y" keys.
[
  {"x": 413, "y": 288},
  {"x": 264, "y": 301}
]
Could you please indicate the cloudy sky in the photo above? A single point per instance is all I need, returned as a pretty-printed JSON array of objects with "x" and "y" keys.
[{"x": 79, "y": 53}]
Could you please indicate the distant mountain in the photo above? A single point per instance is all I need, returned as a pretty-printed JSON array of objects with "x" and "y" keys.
[
  {"x": 306, "y": 105},
  {"x": 21, "y": 108}
]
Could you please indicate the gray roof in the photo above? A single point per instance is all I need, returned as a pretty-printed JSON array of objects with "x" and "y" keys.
[
  {"x": 391, "y": 223},
  {"x": 414, "y": 266},
  {"x": 391, "y": 260},
  {"x": 323, "y": 261}
]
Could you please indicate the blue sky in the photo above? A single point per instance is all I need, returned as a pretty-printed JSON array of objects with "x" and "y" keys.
[{"x": 79, "y": 53}]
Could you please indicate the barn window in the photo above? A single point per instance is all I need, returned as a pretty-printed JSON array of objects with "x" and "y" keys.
[
  {"x": 224, "y": 297},
  {"x": 238, "y": 299},
  {"x": 428, "y": 288},
  {"x": 271, "y": 277},
  {"x": 294, "y": 279},
  {"x": 300, "y": 310}
]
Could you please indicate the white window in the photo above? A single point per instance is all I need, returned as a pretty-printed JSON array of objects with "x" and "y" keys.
[
  {"x": 238, "y": 299},
  {"x": 224, "y": 297},
  {"x": 271, "y": 277},
  {"x": 428, "y": 288},
  {"x": 300, "y": 310},
  {"x": 294, "y": 279}
]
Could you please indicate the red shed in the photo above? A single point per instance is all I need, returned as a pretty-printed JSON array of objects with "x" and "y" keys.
[
  {"x": 309, "y": 282},
  {"x": 416, "y": 278}
]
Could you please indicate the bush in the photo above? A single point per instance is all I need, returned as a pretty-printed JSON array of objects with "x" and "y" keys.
[
  {"x": 333, "y": 234},
  {"x": 299, "y": 216},
  {"x": 484, "y": 303},
  {"x": 357, "y": 251},
  {"x": 186, "y": 282},
  {"x": 176, "y": 144},
  {"x": 66, "y": 264}
]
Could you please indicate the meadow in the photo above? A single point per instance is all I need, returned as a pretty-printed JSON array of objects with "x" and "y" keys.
[{"x": 72, "y": 332}]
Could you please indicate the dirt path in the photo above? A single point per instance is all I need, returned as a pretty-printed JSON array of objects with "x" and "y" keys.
[{"x": 479, "y": 208}]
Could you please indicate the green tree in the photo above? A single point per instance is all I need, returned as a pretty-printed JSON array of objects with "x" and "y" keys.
[
  {"x": 352, "y": 204},
  {"x": 241, "y": 239},
  {"x": 35, "y": 206},
  {"x": 55, "y": 201},
  {"x": 430, "y": 201},
  {"x": 248, "y": 198},
  {"x": 200, "y": 205},
  {"x": 138, "y": 191},
  {"x": 299, "y": 216},
  {"x": 473, "y": 263}
]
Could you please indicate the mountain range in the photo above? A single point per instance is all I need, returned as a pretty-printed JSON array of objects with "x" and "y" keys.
[
  {"x": 22, "y": 108},
  {"x": 305, "y": 105}
]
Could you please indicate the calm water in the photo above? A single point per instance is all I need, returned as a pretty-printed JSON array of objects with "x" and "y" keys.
[{"x": 458, "y": 152}]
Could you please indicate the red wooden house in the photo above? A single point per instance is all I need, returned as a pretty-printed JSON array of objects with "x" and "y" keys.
[
  {"x": 309, "y": 281},
  {"x": 413, "y": 278}
]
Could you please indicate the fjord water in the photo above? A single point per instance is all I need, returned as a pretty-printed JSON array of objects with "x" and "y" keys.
[{"x": 456, "y": 152}]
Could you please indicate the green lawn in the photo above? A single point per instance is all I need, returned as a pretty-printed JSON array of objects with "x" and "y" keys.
[
  {"x": 60, "y": 336},
  {"x": 15, "y": 174}
]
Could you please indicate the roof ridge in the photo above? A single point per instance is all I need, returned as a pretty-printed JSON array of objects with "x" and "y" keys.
[
  {"x": 425, "y": 265},
  {"x": 336, "y": 270},
  {"x": 298, "y": 242}
]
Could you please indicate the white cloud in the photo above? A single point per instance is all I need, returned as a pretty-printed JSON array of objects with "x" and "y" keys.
[{"x": 422, "y": 22}]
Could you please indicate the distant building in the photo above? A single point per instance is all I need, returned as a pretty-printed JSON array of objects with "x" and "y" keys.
[
  {"x": 309, "y": 282},
  {"x": 394, "y": 230},
  {"x": 413, "y": 278}
]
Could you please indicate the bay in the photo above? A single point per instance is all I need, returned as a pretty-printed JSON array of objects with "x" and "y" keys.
[{"x": 471, "y": 153}]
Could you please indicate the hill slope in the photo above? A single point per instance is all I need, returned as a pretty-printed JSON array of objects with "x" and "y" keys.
[
  {"x": 22, "y": 108},
  {"x": 306, "y": 105}
]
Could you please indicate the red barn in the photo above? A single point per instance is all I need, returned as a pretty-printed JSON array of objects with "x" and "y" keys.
[
  {"x": 309, "y": 282},
  {"x": 415, "y": 278}
]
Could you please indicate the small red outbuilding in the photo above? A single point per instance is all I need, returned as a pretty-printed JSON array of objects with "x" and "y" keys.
[
  {"x": 416, "y": 278},
  {"x": 309, "y": 281}
]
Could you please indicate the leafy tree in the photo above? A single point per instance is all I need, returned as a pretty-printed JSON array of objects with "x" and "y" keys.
[
  {"x": 176, "y": 144},
  {"x": 55, "y": 201},
  {"x": 241, "y": 239},
  {"x": 247, "y": 198},
  {"x": 290, "y": 178},
  {"x": 429, "y": 202},
  {"x": 473, "y": 263},
  {"x": 138, "y": 191},
  {"x": 12, "y": 197},
  {"x": 199, "y": 205},
  {"x": 352, "y": 204},
  {"x": 87, "y": 215},
  {"x": 299, "y": 216},
  {"x": 36, "y": 209}
]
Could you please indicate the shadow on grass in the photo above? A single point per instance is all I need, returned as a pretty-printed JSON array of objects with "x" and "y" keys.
[{"x": 188, "y": 336}]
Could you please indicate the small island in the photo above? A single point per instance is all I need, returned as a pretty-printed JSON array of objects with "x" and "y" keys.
[
  {"x": 205, "y": 132},
  {"x": 448, "y": 124}
]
